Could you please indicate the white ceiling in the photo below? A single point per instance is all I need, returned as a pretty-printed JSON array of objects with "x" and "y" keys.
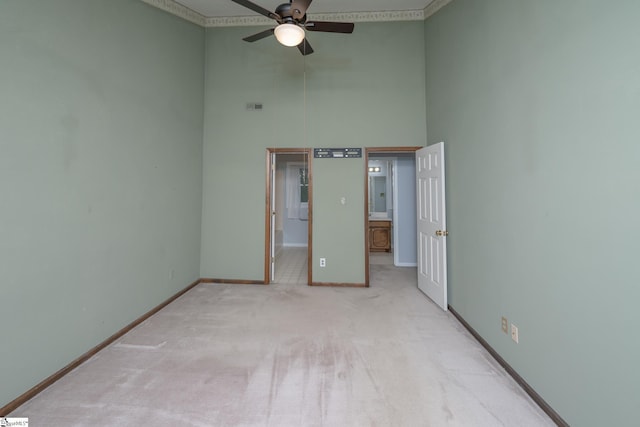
[{"x": 227, "y": 8}]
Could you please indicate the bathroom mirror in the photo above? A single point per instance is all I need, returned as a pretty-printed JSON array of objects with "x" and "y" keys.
[
  {"x": 378, "y": 194},
  {"x": 380, "y": 197}
]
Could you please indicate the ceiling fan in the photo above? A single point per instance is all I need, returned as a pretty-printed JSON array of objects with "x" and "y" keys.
[{"x": 292, "y": 23}]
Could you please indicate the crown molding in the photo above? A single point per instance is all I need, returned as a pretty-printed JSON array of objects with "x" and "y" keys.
[
  {"x": 434, "y": 7},
  {"x": 387, "y": 16},
  {"x": 178, "y": 10},
  {"x": 237, "y": 21},
  {"x": 184, "y": 12}
]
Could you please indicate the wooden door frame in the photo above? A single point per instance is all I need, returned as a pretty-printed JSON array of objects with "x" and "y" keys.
[
  {"x": 367, "y": 151},
  {"x": 268, "y": 209}
]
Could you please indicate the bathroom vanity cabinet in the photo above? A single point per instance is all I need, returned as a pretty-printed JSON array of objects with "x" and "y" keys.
[{"x": 379, "y": 235}]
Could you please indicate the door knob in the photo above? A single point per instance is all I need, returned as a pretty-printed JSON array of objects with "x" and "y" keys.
[{"x": 442, "y": 233}]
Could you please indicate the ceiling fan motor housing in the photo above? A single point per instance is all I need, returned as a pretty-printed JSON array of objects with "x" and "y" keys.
[{"x": 284, "y": 10}]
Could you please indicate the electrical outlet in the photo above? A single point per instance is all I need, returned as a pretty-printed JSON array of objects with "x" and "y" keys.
[
  {"x": 323, "y": 262},
  {"x": 514, "y": 333},
  {"x": 505, "y": 325}
]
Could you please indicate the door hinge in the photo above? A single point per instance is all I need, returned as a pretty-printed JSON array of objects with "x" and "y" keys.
[{"x": 442, "y": 233}]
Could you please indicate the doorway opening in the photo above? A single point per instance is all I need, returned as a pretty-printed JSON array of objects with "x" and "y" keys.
[
  {"x": 390, "y": 208},
  {"x": 288, "y": 216}
]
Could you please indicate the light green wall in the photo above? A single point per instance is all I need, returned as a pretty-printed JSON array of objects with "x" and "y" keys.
[
  {"x": 539, "y": 104},
  {"x": 101, "y": 112},
  {"x": 359, "y": 90}
]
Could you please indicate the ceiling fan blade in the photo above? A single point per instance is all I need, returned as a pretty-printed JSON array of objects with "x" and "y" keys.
[
  {"x": 261, "y": 10},
  {"x": 330, "y": 27},
  {"x": 259, "y": 36},
  {"x": 299, "y": 8},
  {"x": 305, "y": 48}
]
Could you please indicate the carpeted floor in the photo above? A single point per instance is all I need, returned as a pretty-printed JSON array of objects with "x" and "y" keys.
[
  {"x": 285, "y": 355},
  {"x": 381, "y": 258}
]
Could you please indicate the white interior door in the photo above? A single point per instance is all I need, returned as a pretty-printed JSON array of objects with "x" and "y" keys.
[
  {"x": 273, "y": 217},
  {"x": 432, "y": 225}
]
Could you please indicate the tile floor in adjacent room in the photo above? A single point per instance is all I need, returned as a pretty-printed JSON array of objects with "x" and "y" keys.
[
  {"x": 290, "y": 355},
  {"x": 291, "y": 266}
]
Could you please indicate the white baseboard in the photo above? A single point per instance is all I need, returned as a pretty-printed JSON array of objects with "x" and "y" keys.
[
  {"x": 295, "y": 245},
  {"x": 406, "y": 264}
]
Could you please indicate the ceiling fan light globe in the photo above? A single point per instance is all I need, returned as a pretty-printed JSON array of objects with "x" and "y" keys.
[{"x": 289, "y": 34}]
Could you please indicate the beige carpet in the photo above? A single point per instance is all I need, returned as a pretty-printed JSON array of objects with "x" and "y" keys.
[
  {"x": 280, "y": 355},
  {"x": 380, "y": 258}
]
